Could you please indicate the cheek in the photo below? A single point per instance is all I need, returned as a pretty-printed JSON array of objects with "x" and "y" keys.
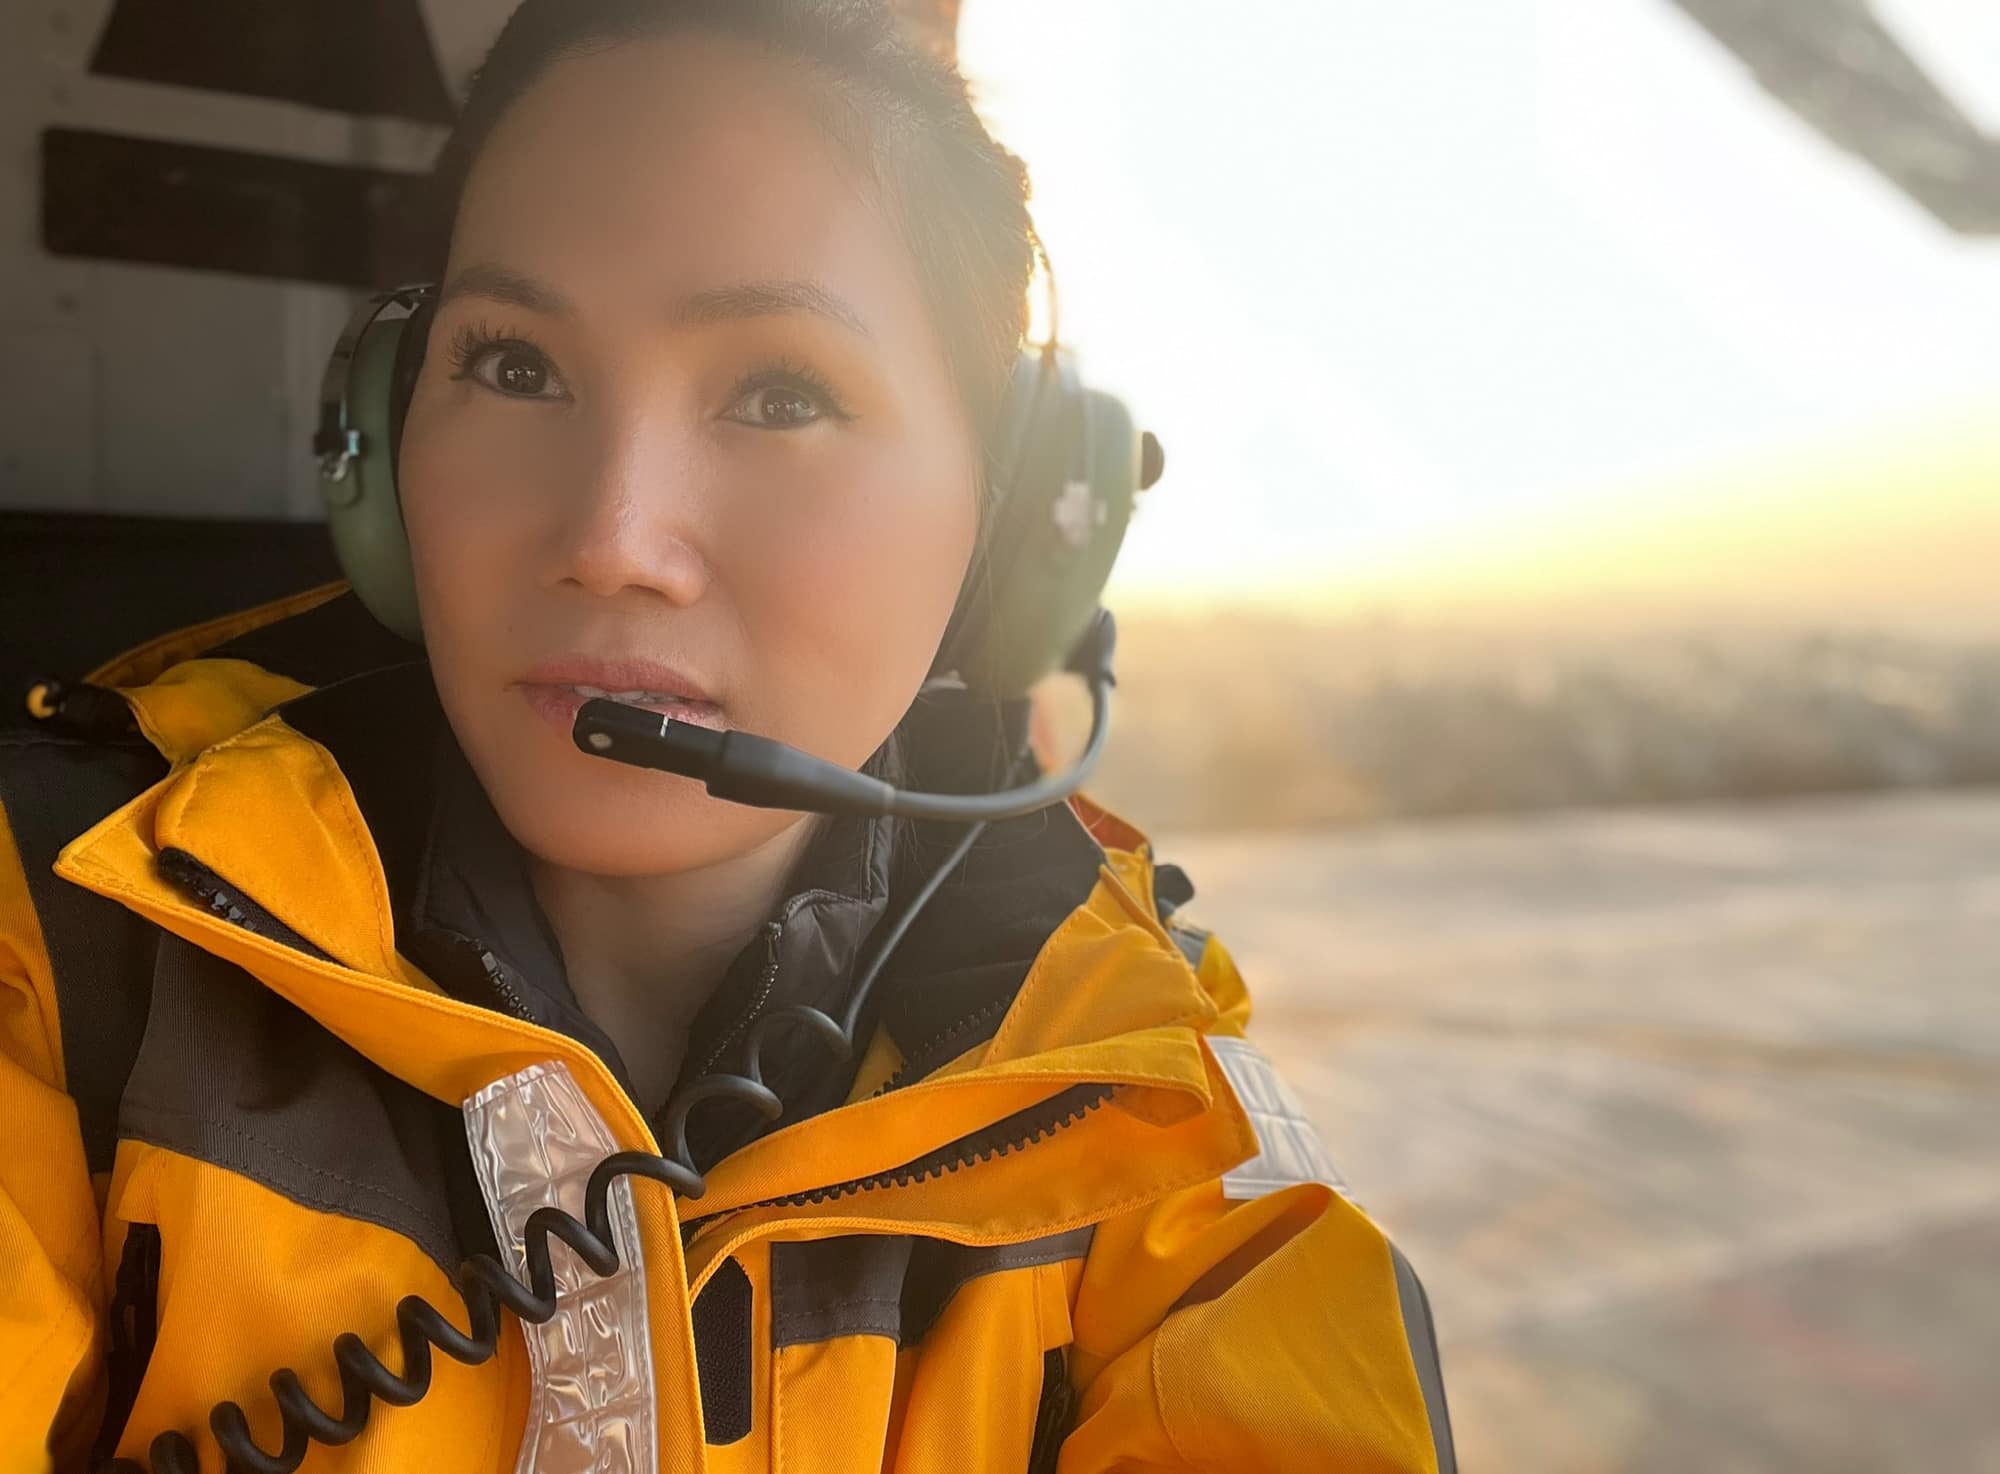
[
  {"x": 859, "y": 572},
  {"x": 457, "y": 491}
]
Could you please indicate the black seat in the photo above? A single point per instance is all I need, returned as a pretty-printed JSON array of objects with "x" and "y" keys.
[{"x": 78, "y": 588}]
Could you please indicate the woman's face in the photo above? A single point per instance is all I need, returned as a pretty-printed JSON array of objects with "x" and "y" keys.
[{"x": 682, "y": 413}]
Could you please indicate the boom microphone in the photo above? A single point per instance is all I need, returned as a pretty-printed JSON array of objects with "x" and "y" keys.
[{"x": 747, "y": 769}]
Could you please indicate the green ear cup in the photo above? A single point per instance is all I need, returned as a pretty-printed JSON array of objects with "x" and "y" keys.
[
  {"x": 1063, "y": 535},
  {"x": 1067, "y": 471},
  {"x": 358, "y": 480}
]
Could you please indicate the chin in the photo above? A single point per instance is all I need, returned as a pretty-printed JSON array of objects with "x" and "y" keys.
[{"x": 629, "y": 823}]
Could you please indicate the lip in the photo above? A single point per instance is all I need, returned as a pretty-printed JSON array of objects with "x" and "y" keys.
[
  {"x": 617, "y": 675},
  {"x": 547, "y": 688}
]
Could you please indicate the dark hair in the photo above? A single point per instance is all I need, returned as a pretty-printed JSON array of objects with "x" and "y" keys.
[{"x": 902, "y": 113}]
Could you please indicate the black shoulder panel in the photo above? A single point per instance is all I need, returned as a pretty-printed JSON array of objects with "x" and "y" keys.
[
  {"x": 233, "y": 1075},
  {"x": 53, "y": 788}
]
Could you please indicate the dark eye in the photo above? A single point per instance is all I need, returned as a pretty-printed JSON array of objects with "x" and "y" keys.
[
  {"x": 516, "y": 370},
  {"x": 776, "y": 406}
]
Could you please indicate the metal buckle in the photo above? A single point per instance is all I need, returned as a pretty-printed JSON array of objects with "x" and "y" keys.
[
  {"x": 336, "y": 442},
  {"x": 337, "y": 451}
]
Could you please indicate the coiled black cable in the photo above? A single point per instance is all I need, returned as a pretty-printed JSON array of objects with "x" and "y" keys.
[{"x": 484, "y": 1285}]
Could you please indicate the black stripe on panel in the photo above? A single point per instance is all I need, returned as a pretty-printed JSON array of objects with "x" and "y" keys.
[
  {"x": 722, "y": 1351},
  {"x": 113, "y": 198},
  {"x": 233, "y": 1075},
  {"x": 350, "y": 56},
  {"x": 888, "y": 1284}
]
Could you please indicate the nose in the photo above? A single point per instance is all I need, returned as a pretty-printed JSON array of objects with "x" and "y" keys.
[{"x": 632, "y": 524}]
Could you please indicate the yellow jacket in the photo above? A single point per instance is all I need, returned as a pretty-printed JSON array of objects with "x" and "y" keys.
[{"x": 269, "y": 1063}]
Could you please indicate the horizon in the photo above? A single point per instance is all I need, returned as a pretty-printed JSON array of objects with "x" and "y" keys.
[{"x": 1682, "y": 310}]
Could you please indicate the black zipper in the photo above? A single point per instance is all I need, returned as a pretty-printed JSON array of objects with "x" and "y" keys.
[
  {"x": 941, "y": 1047},
  {"x": 224, "y": 900},
  {"x": 232, "y": 905},
  {"x": 765, "y": 983},
  {"x": 1009, "y": 1134},
  {"x": 133, "y": 1323},
  {"x": 496, "y": 979}
]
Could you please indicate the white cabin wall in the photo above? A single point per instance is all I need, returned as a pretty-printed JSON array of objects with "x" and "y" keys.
[{"x": 160, "y": 390}]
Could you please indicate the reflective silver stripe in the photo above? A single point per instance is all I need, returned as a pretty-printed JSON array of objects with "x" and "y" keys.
[
  {"x": 535, "y": 1139},
  {"x": 1422, "y": 1336},
  {"x": 1289, "y": 1149},
  {"x": 1192, "y": 941}
]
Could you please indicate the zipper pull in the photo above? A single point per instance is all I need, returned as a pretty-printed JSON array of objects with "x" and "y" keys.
[{"x": 464, "y": 966}]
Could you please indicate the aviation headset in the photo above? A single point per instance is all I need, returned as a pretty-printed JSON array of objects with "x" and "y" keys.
[{"x": 1064, "y": 467}]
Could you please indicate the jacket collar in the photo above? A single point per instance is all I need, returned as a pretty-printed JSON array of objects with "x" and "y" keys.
[
  {"x": 465, "y": 910},
  {"x": 465, "y": 913},
  {"x": 324, "y": 668},
  {"x": 1044, "y": 947}
]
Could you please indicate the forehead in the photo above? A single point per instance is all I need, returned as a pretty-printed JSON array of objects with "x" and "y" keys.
[{"x": 663, "y": 166}]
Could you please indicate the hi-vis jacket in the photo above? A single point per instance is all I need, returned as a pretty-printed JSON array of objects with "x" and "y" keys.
[{"x": 282, "y": 1042}]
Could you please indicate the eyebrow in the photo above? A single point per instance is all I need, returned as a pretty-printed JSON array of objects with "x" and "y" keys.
[
  {"x": 769, "y": 298},
  {"x": 712, "y": 304},
  {"x": 484, "y": 279}
]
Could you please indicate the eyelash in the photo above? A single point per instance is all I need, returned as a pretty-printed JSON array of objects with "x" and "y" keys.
[
  {"x": 473, "y": 341},
  {"x": 785, "y": 373}
]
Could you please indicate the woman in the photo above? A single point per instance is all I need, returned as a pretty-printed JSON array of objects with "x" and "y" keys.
[{"x": 375, "y": 961}]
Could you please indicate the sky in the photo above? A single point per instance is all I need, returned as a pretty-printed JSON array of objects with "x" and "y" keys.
[{"x": 1419, "y": 293}]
